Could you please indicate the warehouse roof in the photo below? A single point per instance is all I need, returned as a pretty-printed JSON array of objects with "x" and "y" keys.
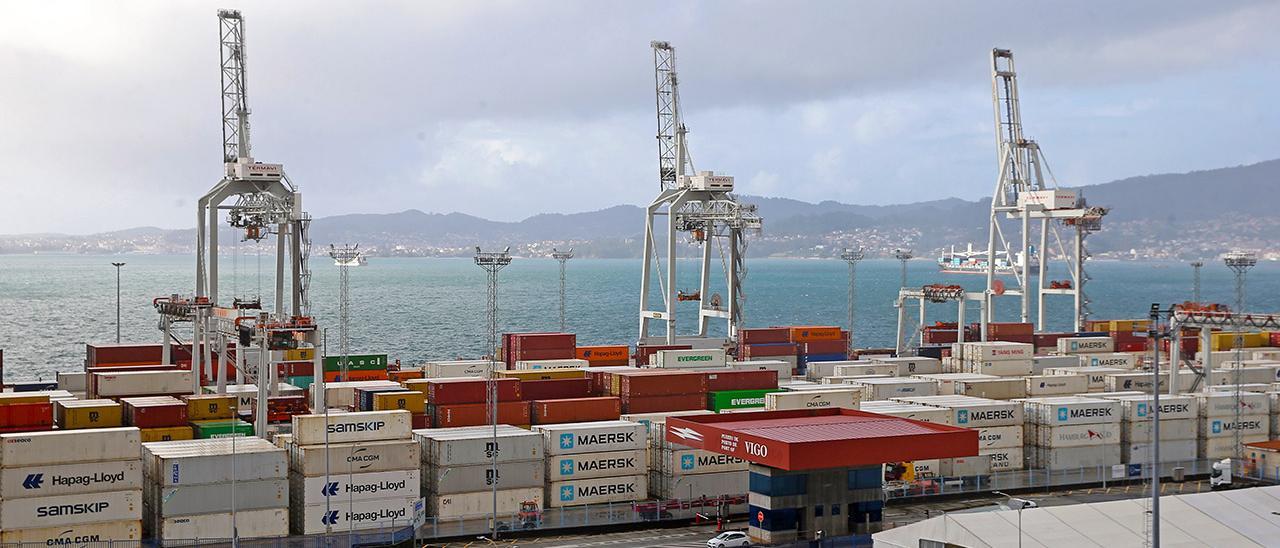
[
  {"x": 1240, "y": 517},
  {"x": 826, "y": 438}
]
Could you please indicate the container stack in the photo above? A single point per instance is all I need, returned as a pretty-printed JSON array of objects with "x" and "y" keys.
[
  {"x": 999, "y": 358},
  {"x": 158, "y": 417},
  {"x": 205, "y": 407},
  {"x": 350, "y": 498},
  {"x": 836, "y": 397},
  {"x": 689, "y": 359},
  {"x": 605, "y": 443},
  {"x": 460, "y": 401},
  {"x": 190, "y": 486},
  {"x": 768, "y": 343},
  {"x": 684, "y": 473},
  {"x": 895, "y": 387},
  {"x": 393, "y": 399},
  {"x": 1218, "y": 424},
  {"x": 1095, "y": 377},
  {"x": 1178, "y": 427},
  {"x": 659, "y": 390},
  {"x": 247, "y": 395},
  {"x": 457, "y": 473},
  {"x": 519, "y": 347},
  {"x": 818, "y": 344},
  {"x": 604, "y": 355},
  {"x": 999, "y": 425},
  {"x": 59, "y": 488},
  {"x": 121, "y": 384},
  {"x": 1072, "y": 432}
]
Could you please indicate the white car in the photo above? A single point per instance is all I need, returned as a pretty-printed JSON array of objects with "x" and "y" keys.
[{"x": 729, "y": 539}]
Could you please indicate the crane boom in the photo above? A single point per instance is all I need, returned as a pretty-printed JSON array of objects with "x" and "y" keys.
[
  {"x": 235, "y": 98},
  {"x": 673, "y": 156}
]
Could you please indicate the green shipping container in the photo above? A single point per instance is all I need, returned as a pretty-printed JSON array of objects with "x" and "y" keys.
[
  {"x": 300, "y": 382},
  {"x": 361, "y": 362},
  {"x": 736, "y": 399},
  {"x": 221, "y": 428}
]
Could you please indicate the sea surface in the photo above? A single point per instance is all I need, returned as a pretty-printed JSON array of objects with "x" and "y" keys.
[{"x": 417, "y": 309}]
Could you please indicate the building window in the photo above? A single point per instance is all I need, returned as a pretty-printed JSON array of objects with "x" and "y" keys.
[
  {"x": 835, "y": 509},
  {"x": 817, "y": 511}
]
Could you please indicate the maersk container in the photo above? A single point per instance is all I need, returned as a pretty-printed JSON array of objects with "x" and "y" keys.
[
  {"x": 1076, "y": 435},
  {"x": 1071, "y": 410},
  {"x": 712, "y": 485},
  {"x": 695, "y": 358},
  {"x": 1224, "y": 404},
  {"x": 343, "y": 486},
  {"x": 460, "y": 368},
  {"x": 913, "y": 365},
  {"x": 597, "y": 465},
  {"x": 211, "y": 498},
  {"x": 197, "y": 462},
  {"x": 1119, "y": 360},
  {"x": 913, "y": 411},
  {"x": 993, "y": 437},
  {"x": 359, "y": 515},
  {"x": 1053, "y": 385},
  {"x": 480, "y": 504},
  {"x": 1097, "y": 376},
  {"x": 996, "y": 389},
  {"x": 1175, "y": 429},
  {"x": 896, "y": 387},
  {"x": 1086, "y": 345},
  {"x": 1139, "y": 408},
  {"x": 68, "y": 479},
  {"x": 141, "y": 383},
  {"x": 447, "y": 480},
  {"x": 261, "y": 523},
  {"x": 70, "y": 510},
  {"x": 971, "y": 412},
  {"x": 1170, "y": 451},
  {"x": 597, "y": 491},
  {"x": 813, "y": 399},
  {"x": 351, "y": 427},
  {"x": 1005, "y": 458},
  {"x": 537, "y": 365},
  {"x": 451, "y": 447},
  {"x": 591, "y": 437},
  {"x": 679, "y": 462},
  {"x": 858, "y": 369},
  {"x": 60, "y": 447},
  {"x": 1076, "y": 457},
  {"x": 1226, "y": 427},
  {"x": 129, "y": 530},
  {"x": 363, "y": 457}
]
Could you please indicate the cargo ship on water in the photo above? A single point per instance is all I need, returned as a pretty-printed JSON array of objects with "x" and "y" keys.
[{"x": 975, "y": 262}]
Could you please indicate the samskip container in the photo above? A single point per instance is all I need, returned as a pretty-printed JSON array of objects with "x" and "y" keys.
[
  {"x": 69, "y": 510},
  {"x": 262, "y": 523},
  {"x": 350, "y": 427}
]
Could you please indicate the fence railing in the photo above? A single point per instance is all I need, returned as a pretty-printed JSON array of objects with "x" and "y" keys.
[{"x": 1042, "y": 478}]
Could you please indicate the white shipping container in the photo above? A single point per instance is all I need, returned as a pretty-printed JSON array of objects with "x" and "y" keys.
[
  {"x": 261, "y": 523},
  {"x": 1097, "y": 376},
  {"x": 995, "y": 437},
  {"x": 246, "y": 394},
  {"x": 68, "y": 510},
  {"x": 971, "y": 412},
  {"x": 537, "y": 365},
  {"x": 195, "y": 462},
  {"x": 591, "y": 437},
  {"x": 480, "y": 504},
  {"x": 930, "y": 468},
  {"x": 68, "y": 446},
  {"x": 946, "y": 381},
  {"x": 341, "y": 486},
  {"x": 459, "y": 368},
  {"x": 68, "y": 479},
  {"x": 1245, "y": 375},
  {"x": 1222, "y": 448},
  {"x": 474, "y": 445},
  {"x": 597, "y": 490},
  {"x": 1071, "y": 410},
  {"x": 141, "y": 383},
  {"x": 1170, "y": 451},
  {"x": 913, "y": 365},
  {"x": 781, "y": 367},
  {"x": 913, "y": 411},
  {"x": 1118, "y": 360},
  {"x": 1057, "y": 198},
  {"x": 1139, "y": 407},
  {"x": 996, "y": 389},
  {"x": 343, "y": 394},
  {"x": 1004, "y": 458},
  {"x": 1040, "y": 363},
  {"x": 1224, "y": 404},
  {"x": 1052, "y": 385},
  {"x": 1120, "y": 382},
  {"x": 441, "y": 480},
  {"x": 813, "y": 399},
  {"x": 360, "y": 515},
  {"x": 688, "y": 358},
  {"x": 1076, "y": 435},
  {"x": 1226, "y": 427},
  {"x": 992, "y": 351},
  {"x": 1177, "y": 429},
  {"x": 1003, "y": 368},
  {"x": 1077, "y": 457},
  {"x": 1086, "y": 345},
  {"x": 363, "y": 457},
  {"x": 351, "y": 427},
  {"x": 73, "y": 381},
  {"x": 211, "y": 498},
  {"x": 676, "y": 462},
  {"x": 596, "y": 465},
  {"x": 896, "y": 387},
  {"x": 75, "y": 535},
  {"x": 817, "y": 370},
  {"x": 848, "y": 379},
  {"x": 711, "y": 485},
  {"x": 977, "y": 465}
]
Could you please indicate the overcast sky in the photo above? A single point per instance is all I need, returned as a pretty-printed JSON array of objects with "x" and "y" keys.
[{"x": 109, "y": 111}]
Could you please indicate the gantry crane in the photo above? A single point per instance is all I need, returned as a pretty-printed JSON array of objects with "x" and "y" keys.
[
  {"x": 265, "y": 203},
  {"x": 1023, "y": 193},
  {"x": 700, "y": 204}
]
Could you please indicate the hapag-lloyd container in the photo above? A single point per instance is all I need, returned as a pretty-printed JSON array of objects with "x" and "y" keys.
[
  {"x": 69, "y": 510},
  {"x": 896, "y": 387},
  {"x": 1119, "y": 360},
  {"x": 1226, "y": 427},
  {"x": 913, "y": 365},
  {"x": 351, "y": 427},
  {"x": 597, "y": 490},
  {"x": 675, "y": 462},
  {"x": 480, "y": 504},
  {"x": 695, "y": 358},
  {"x": 715, "y": 484},
  {"x": 67, "y": 479},
  {"x": 357, "y": 515},
  {"x": 597, "y": 465},
  {"x": 369, "y": 456},
  {"x": 993, "y": 437},
  {"x": 451, "y": 447},
  {"x": 195, "y": 462},
  {"x": 591, "y": 437},
  {"x": 813, "y": 399},
  {"x": 261, "y": 523},
  {"x": 442, "y": 480},
  {"x": 1052, "y": 385},
  {"x": 971, "y": 412},
  {"x": 459, "y": 368},
  {"x": 1223, "y": 404},
  {"x": 1175, "y": 429},
  {"x": 913, "y": 411},
  {"x": 1071, "y": 410},
  {"x": 1077, "y": 435},
  {"x": 75, "y": 535},
  {"x": 98, "y": 444},
  {"x": 341, "y": 486},
  {"x": 212, "y": 498},
  {"x": 1086, "y": 345}
]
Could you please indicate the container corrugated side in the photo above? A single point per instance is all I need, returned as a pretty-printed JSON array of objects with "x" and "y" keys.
[
  {"x": 34, "y": 448},
  {"x": 1226, "y": 427},
  {"x": 262, "y": 523},
  {"x": 1005, "y": 458},
  {"x": 480, "y": 504},
  {"x": 813, "y": 399},
  {"x": 677, "y": 462},
  {"x": 342, "y": 486},
  {"x": 993, "y": 437},
  {"x": 474, "y": 445},
  {"x": 595, "y": 465},
  {"x": 590, "y": 437},
  {"x": 369, "y": 456},
  {"x": 1076, "y": 435},
  {"x": 1071, "y": 410},
  {"x": 69, "y": 510},
  {"x": 212, "y": 498},
  {"x": 70, "y": 479},
  {"x": 141, "y": 383},
  {"x": 1076, "y": 457},
  {"x": 351, "y": 427},
  {"x": 597, "y": 491},
  {"x": 75, "y": 535},
  {"x": 360, "y": 515},
  {"x": 196, "y": 464},
  {"x": 447, "y": 480},
  {"x": 1174, "y": 429},
  {"x": 692, "y": 486},
  {"x": 1170, "y": 451}
]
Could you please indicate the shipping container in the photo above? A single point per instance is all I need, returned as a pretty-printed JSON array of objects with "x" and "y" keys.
[
  {"x": 1170, "y": 429},
  {"x": 1119, "y": 360},
  {"x": 913, "y": 365},
  {"x": 589, "y": 437},
  {"x": 815, "y": 333},
  {"x": 676, "y": 462},
  {"x": 350, "y": 427},
  {"x": 737, "y": 379},
  {"x": 1071, "y": 410},
  {"x": 781, "y": 368},
  {"x": 212, "y": 498},
  {"x": 536, "y": 365},
  {"x": 753, "y": 351},
  {"x": 838, "y": 346},
  {"x": 364, "y": 397},
  {"x": 355, "y": 362},
  {"x": 170, "y": 433},
  {"x": 247, "y": 394},
  {"x": 343, "y": 486},
  {"x": 1097, "y": 376},
  {"x": 460, "y": 368},
  {"x": 476, "y": 414},
  {"x": 19, "y": 417},
  {"x": 658, "y": 404},
  {"x": 262, "y": 523},
  {"x": 1004, "y": 459},
  {"x": 645, "y": 353},
  {"x": 141, "y": 383},
  {"x": 710, "y": 485},
  {"x": 1170, "y": 451},
  {"x": 1076, "y": 457},
  {"x": 995, "y": 437},
  {"x": 996, "y": 389},
  {"x": 78, "y": 414},
  {"x": 971, "y": 412},
  {"x": 1227, "y": 427},
  {"x": 465, "y": 390},
  {"x": 1223, "y": 447},
  {"x": 575, "y": 410},
  {"x": 221, "y": 429},
  {"x": 362, "y": 457},
  {"x": 70, "y": 479},
  {"x": 1140, "y": 407},
  {"x": 851, "y": 369},
  {"x": 596, "y": 465},
  {"x": 210, "y": 406},
  {"x": 479, "y": 505},
  {"x": 60, "y": 447},
  {"x": 764, "y": 335},
  {"x": 1052, "y": 385},
  {"x": 413, "y": 402},
  {"x": 604, "y": 354},
  {"x": 1086, "y": 345},
  {"x": 578, "y": 492},
  {"x": 454, "y": 447},
  {"x": 70, "y": 510},
  {"x": 1076, "y": 435},
  {"x": 913, "y": 411},
  {"x": 555, "y": 389},
  {"x": 694, "y": 358},
  {"x": 1002, "y": 368},
  {"x": 992, "y": 351},
  {"x": 197, "y": 462},
  {"x": 127, "y": 531},
  {"x": 154, "y": 412},
  {"x": 546, "y": 374},
  {"x": 658, "y": 383},
  {"x": 358, "y": 515},
  {"x": 894, "y": 387},
  {"x": 737, "y": 399},
  {"x": 813, "y": 399},
  {"x": 441, "y": 480}
]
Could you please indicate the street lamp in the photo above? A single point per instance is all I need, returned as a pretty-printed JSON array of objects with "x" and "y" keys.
[
  {"x": 117, "y": 265},
  {"x": 1022, "y": 504}
]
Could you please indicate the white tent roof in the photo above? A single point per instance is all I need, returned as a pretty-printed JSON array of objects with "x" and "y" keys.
[{"x": 1241, "y": 517}]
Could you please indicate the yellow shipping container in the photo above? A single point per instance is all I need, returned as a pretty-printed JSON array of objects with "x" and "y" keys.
[
  {"x": 210, "y": 407},
  {"x": 543, "y": 374},
  {"x": 409, "y": 400},
  {"x": 172, "y": 433},
  {"x": 415, "y": 385},
  {"x": 1127, "y": 326},
  {"x": 7, "y": 398},
  {"x": 1226, "y": 341},
  {"x": 79, "y": 414},
  {"x": 300, "y": 355}
]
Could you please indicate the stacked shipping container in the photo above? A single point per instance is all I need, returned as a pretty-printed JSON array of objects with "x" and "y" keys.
[{"x": 192, "y": 485}]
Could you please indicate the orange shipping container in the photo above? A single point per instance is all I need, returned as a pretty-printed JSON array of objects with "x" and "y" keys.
[
  {"x": 576, "y": 410},
  {"x": 514, "y": 413},
  {"x": 605, "y": 354},
  {"x": 357, "y": 375},
  {"x": 24, "y": 415},
  {"x": 405, "y": 374},
  {"x": 815, "y": 333}
]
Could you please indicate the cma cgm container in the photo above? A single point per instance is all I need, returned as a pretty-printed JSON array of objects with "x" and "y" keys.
[
  {"x": 75, "y": 535},
  {"x": 362, "y": 457},
  {"x": 813, "y": 399}
]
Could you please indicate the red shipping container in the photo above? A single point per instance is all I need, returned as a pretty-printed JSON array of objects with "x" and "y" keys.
[
  {"x": 826, "y": 347},
  {"x": 746, "y": 352},
  {"x": 527, "y": 342},
  {"x": 639, "y": 384},
  {"x": 552, "y": 354},
  {"x": 744, "y": 379},
  {"x": 1275, "y": 339},
  {"x": 939, "y": 336},
  {"x": 661, "y": 404},
  {"x": 420, "y": 420},
  {"x": 764, "y": 335},
  {"x": 27, "y": 415},
  {"x": 555, "y": 389},
  {"x": 1121, "y": 337},
  {"x": 643, "y": 352},
  {"x": 17, "y": 429},
  {"x": 810, "y": 333},
  {"x": 154, "y": 412},
  {"x": 294, "y": 369},
  {"x": 1131, "y": 346},
  {"x": 602, "y": 378},
  {"x": 1014, "y": 329},
  {"x": 514, "y": 413},
  {"x": 1048, "y": 339},
  {"x": 356, "y": 375},
  {"x": 457, "y": 391},
  {"x": 1026, "y": 339},
  {"x": 576, "y": 410}
]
